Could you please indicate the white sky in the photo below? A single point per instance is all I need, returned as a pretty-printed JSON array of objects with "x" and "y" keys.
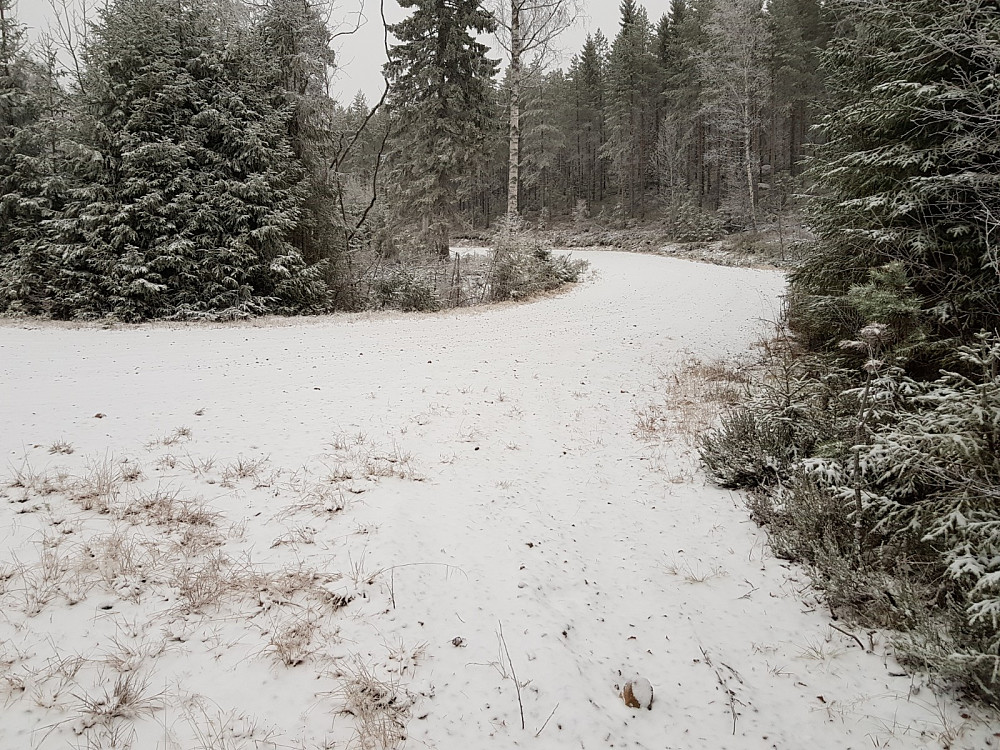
[{"x": 361, "y": 54}]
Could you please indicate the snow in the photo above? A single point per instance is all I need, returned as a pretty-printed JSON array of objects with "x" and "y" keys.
[{"x": 405, "y": 514}]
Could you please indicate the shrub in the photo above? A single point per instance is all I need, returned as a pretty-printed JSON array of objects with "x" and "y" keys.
[
  {"x": 690, "y": 223},
  {"x": 400, "y": 289},
  {"x": 747, "y": 451},
  {"x": 888, "y": 488},
  {"x": 524, "y": 265}
]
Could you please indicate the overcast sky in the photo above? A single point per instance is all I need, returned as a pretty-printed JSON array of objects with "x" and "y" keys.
[{"x": 361, "y": 54}]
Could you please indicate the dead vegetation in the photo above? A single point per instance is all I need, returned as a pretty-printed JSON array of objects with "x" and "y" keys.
[
  {"x": 162, "y": 561},
  {"x": 689, "y": 400}
]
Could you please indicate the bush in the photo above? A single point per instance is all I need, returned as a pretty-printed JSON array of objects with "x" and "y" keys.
[
  {"x": 400, "y": 289},
  {"x": 794, "y": 412},
  {"x": 688, "y": 222},
  {"x": 524, "y": 265},
  {"x": 888, "y": 488},
  {"x": 747, "y": 451}
]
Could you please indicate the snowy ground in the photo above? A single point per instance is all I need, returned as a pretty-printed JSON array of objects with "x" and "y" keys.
[{"x": 350, "y": 530}]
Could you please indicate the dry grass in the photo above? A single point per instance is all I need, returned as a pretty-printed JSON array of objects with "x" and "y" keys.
[
  {"x": 204, "y": 584},
  {"x": 291, "y": 641},
  {"x": 244, "y": 467},
  {"x": 320, "y": 500},
  {"x": 380, "y": 707},
  {"x": 693, "y": 572},
  {"x": 691, "y": 399},
  {"x": 159, "y": 567},
  {"x": 61, "y": 446},
  {"x": 358, "y": 458},
  {"x": 213, "y": 728},
  {"x": 127, "y": 699},
  {"x": 162, "y": 507},
  {"x": 178, "y": 435},
  {"x": 42, "y": 581},
  {"x": 99, "y": 488}
]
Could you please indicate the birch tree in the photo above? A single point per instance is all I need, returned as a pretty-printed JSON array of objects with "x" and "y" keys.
[{"x": 527, "y": 30}]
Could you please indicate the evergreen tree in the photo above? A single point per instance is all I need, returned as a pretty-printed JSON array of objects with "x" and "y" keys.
[
  {"x": 547, "y": 122},
  {"x": 295, "y": 44},
  {"x": 187, "y": 202},
  {"x": 22, "y": 205},
  {"x": 629, "y": 108},
  {"x": 800, "y": 30},
  {"x": 440, "y": 101},
  {"x": 910, "y": 168},
  {"x": 588, "y": 77}
]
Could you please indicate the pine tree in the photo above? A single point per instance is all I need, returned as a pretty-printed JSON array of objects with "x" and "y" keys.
[
  {"x": 440, "y": 101},
  {"x": 910, "y": 168}
]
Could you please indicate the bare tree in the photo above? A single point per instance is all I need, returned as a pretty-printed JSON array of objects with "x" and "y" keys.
[
  {"x": 734, "y": 69},
  {"x": 68, "y": 32},
  {"x": 526, "y": 30}
]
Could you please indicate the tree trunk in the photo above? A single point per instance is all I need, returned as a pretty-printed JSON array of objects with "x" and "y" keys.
[
  {"x": 514, "y": 162},
  {"x": 748, "y": 163}
]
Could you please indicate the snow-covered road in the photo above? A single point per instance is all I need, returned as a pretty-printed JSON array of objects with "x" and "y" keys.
[{"x": 522, "y": 498}]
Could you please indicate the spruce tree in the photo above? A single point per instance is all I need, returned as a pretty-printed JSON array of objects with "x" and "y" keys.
[
  {"x": 588, "y": 77},
  {"x": 23, "y": 204},
  {"x": 910, "y": 169},
  {"x": 800, "y": 30},
  {"x": 188, "y": 202},
  {"x": 629, "y": 107},
  {"x": 441, "y": 104}
]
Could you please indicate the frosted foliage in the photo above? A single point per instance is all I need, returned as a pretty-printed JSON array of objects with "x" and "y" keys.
[{"x": 934, "y": 476}]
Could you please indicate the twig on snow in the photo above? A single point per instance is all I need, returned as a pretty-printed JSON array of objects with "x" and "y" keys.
[
  {"x": 849, "y": 635},
  {"x": 517, "y": 685},
  {"x": 547, "y": 720}
]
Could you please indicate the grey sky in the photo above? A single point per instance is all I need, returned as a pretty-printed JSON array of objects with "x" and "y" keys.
[{"x": 361, "y": 54}]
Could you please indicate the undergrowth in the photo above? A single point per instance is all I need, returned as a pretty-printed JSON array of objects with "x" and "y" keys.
[{"x": 886, "y": 487}]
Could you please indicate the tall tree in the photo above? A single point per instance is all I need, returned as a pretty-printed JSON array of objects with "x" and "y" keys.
[
  {"x": 293, "y": 38},
  {"x": 800, "y": 29},
  {"x": 25, "y": 184},
  {"x": 187, "y": 202},
  {"x": 528, "y": 29},
  {"x": 737, "y": 85},
  {"x": 629, "y": 107},
  {"x": 589, "y": 87},
  {"x": 440, "y": 80}
]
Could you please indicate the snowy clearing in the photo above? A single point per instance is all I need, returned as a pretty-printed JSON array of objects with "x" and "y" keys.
[{"x": 356, "y": 529}]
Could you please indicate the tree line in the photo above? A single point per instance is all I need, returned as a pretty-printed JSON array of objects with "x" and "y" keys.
[
  {"x": 709, "y": 107},
  {"x": 193, "y": 162}
]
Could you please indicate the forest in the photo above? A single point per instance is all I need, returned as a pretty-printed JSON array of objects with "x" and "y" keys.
[
  {"x": 191, "y": 163},
  {"x": 204, "y": 166}
]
